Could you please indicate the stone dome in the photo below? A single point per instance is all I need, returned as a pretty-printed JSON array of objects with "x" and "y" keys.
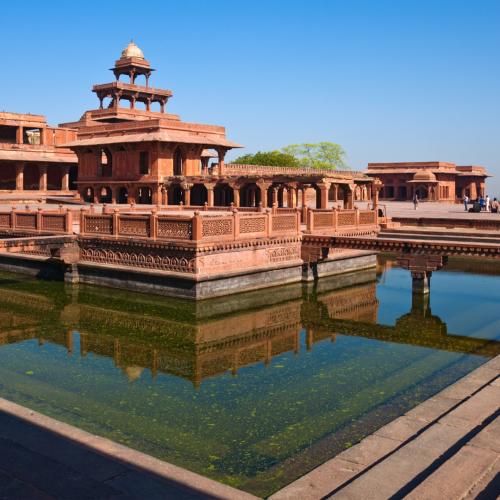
[
  {"x": 424, "y": 176},
  {"x": 131, "y": 50}
]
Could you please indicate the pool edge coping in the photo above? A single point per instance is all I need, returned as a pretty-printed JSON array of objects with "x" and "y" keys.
[
  {"x": 321, "y": 482},
  {"x": 153, "y": 467}
]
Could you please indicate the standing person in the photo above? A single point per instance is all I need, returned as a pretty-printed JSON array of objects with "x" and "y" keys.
[
  {"x": 466, "y": 199},
  {"x": 487, "y": 203},
  {"x": 481, "y": 202},
  {"x": 415, "y": 201},
  {"x": 494, "y": 206}
]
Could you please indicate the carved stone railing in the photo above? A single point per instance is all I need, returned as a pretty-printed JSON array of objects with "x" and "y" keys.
[
  {"x": 234, "y": 168},
  {"x": 342, "y": 221},
  {"x": 38, "y": 221},
  {"x": 198, "y": 228}
]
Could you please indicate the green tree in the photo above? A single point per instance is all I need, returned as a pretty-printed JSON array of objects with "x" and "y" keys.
[
  {"x": 270, "y": 159},
  {"x": 323, "y": 155}
]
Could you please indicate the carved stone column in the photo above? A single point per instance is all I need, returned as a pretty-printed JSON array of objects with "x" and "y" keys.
[
  {"x": 42, "y": 168},
  {"x": 236, "y": 193},
  {"x": 20, "y": 175},
  {"x": 222, "y": 153},
  {"x": 264, "y": 186},
  {"x": 187, "y": 192},
  {"x": 275, "y": 196},
  {"x": 210, "y": 193},
  {"x": 375, "y": 189},
  {"x": 324, "y": 189},
  {"x": 65, "y": 178}
]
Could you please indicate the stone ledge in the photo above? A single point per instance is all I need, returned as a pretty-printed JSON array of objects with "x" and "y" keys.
[{"x": 135, "y": 460}]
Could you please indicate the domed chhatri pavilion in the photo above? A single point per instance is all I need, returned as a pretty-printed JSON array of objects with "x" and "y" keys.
[
  {"x": 133, "y": 155},
  {"x": 434, "y": 181}
]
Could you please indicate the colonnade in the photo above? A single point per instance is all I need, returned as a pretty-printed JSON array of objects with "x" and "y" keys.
[
  {"x": 23, "y": 175},
  {"x": 241, "y": 194}
]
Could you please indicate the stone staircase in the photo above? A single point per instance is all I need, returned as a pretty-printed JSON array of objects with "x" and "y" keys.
[{"x": 474, "y": 237}]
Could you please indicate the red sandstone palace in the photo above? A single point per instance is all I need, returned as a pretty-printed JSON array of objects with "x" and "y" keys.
[
  {"x": 117, "y": 154},
  {"x": 431, "y": 181}
]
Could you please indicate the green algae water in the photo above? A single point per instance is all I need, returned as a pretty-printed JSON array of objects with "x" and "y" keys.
[{"x": 253, "y": 390}]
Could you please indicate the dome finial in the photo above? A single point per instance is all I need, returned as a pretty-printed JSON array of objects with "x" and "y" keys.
[{"x": 131, "y": 50}]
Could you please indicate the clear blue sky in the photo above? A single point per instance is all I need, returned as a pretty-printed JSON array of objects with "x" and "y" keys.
[{"x": 394, "y": 80}]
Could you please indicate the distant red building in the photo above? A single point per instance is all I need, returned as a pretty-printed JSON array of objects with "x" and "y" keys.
[{"x": 433, "y": 181}]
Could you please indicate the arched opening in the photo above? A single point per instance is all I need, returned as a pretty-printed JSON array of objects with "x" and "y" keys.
[
  {"x": 107, "y": 168},
  {"x": 422, "y": 193},
  {"x": 178, "y": 195},
  {"x": 54, "y": 177},
  {"x": 31, "y": 179},
  {"x": 7, "y": 176},
  {"x": 250, "y": 195},
  {"x": 199, "y": 195},
  {"x": 105, "y": 195},
  {"x": 122, "y": 196},
  {"x": 89, "y": 195},
  {"x": 177, "y": 162},
  {"x": 73, "y": 177},
  {"x": 145, "y": 196},
  {"x": 223, "y": 196}
]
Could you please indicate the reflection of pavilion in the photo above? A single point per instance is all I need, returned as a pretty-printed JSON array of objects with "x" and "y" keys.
[{"x": 206, "y": 346}]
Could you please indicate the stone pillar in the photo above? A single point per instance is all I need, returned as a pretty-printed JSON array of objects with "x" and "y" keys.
[
  {"x": 349, "y": 196},
  {"x": 210, "y": 193},
  {"x": 275, "y": 196},
  {"x": 421, "y": 282},
  {"x": 115, "y": 193},
  {"x": 20, "y": 176},
  {"x": 187, "y": 193},
  {"x": 335, "y": 192},
  {"x": 263, "y": 186},
  {"x": 421, "y": 267},
  {"x": 65, "y": 178},
  {"x": 20, "y": 134},
  {"x": 236, "y": 192},
  {"x": 375, "y": 188},
  {"x": 156, "y": 197},
  {"x": 222, "y": 154},
  {"x": 97, "y": 194},
  {"x": 131, "y": 192},
  {"x": 42, "y": 168},
  {"x": 324, "y": 189}
]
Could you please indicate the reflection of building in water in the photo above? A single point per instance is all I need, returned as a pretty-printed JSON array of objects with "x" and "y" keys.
[{"x": 205, "y": 346}]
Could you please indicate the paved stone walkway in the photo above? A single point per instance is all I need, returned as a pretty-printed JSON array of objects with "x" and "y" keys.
[
  {"x": 447, "y": 448},
  {"x": 44, "y": 459}
]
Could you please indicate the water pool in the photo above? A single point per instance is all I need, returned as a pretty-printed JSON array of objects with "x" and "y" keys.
[{"x": 252, "y": 390}]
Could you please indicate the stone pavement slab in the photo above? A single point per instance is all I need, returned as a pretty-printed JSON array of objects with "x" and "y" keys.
[
  {"x": 13, "y": 489},
  {"x": 370, "y": 450},
  {"x": 52, "y": 460},
  {"x": 51, "y": 477},
  {"x": 321, "y": 481},
  {"x": 475, "y": 410},
  {"x": 392, "y": 475},
  {"x": 402, "y": 429},
  {"x": 457, "y": 476}
]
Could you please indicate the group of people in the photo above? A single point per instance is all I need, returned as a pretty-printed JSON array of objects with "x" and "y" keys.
[{"x": 482, "y": 204}]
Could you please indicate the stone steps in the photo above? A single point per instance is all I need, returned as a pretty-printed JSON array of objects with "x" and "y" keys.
[
  {"x": 447, "y": 448},
  {"x": 451, "y": 236}
]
